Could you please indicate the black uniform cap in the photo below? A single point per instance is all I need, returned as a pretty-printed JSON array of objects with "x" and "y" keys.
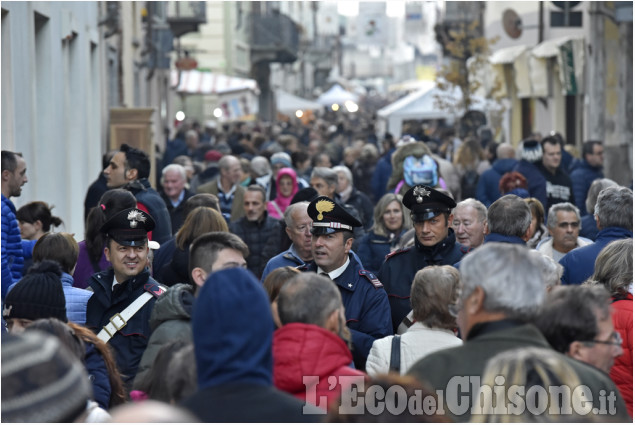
[
  {"x": 129, "y": 227},
  {"x": 328, "y": 217},
  {"x": 425, "y": 203}
]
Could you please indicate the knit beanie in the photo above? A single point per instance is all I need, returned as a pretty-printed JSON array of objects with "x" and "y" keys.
[
  {"x": 531, "y": 150},
  {"x": 38, "y": 295},
  {"x": 41, "y": 380},
  {"x": 281, "y": 158}
]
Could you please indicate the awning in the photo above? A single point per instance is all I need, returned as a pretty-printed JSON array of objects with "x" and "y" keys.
[
  {"x": 204, "y": 82},
  {"x": 288, "y": 104},
  {"x": 507, "y": 55},
  {"x": 550, "y": 48}
]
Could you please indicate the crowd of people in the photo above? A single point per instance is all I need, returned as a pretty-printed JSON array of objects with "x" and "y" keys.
[{"x": 281, "y": 273}]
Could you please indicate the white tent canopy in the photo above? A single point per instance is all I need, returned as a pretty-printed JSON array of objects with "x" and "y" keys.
[
  {"x": 204, "y": 82},
  {"x": 421, "y": 105},
  {"x": 336, "y": 94},
  {"x": 288, "y": 104}
]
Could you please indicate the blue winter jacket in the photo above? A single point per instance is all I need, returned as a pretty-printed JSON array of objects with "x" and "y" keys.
[
  {"x": 12, "y": 254},
  {"x": 98, "y": 375},
  {"x": 76, "y": 300},
  {"x": 382, "y": 173},
  {"x": 286, "y": 258},
  {"x": 372, "y": 250},
  {"x": 535, "y": 180},
  {"x": 487, "y": 189},
  {"x": 582, "y": 176},
  {"x": 579, "y": 264}
]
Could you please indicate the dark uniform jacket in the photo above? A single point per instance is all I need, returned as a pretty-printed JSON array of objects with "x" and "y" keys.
[
  {"x": 400, "y": 267},
  {"x": 486, "y": 340},
  {"x": 366, "y": 307},
  {"x": 130, "y": 342}
]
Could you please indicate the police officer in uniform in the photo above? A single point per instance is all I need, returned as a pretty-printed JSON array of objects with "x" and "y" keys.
[
  {"x": 435, "y": 244},
  {"x": 365, "y": 301},
  {"x": 119, "y": 310}
]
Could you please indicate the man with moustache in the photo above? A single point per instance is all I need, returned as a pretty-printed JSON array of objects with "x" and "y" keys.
[{"x": 563, "y": 222}]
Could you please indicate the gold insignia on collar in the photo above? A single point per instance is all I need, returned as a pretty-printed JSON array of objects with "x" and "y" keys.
[
  {"x": 419, "y": 193},
  {"x": 135, "y": 216},
  {"x": 324, "y": 206}
]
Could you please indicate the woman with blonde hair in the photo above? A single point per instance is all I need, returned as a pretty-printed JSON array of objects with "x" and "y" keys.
[
  {"x": 391, "y": 221},
  {"x": 434, "y": 289},
  {"x": 470, "y": 163},
  {"x": 199, "y": 221}
]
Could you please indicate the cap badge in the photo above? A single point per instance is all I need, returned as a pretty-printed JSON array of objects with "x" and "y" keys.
[
  {"x": 134, "y": 217},
  {"x": 420, "y": 192},
  {"x": 322, "y": 207}
]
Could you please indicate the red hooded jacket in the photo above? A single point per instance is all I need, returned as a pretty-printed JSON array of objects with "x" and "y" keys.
[
  {"x": 301, "y": 350},
  {"x": 622, "y": 370}
]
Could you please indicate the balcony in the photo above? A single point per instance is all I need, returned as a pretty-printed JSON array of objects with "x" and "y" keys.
[
  {"x": 272, "y": 37},
  {"x": 185, "y": 16}
]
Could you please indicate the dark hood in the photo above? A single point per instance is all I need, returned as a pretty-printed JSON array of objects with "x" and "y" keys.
[
  {"x": 233, "y": 330},
  {"x": 504, "y": 165}
]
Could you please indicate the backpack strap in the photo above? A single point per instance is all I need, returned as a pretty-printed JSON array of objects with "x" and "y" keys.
[{"x": 395, "y": 354}]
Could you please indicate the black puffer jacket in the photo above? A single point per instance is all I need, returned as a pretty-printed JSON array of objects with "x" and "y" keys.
[{"x": 257, "y": 235}]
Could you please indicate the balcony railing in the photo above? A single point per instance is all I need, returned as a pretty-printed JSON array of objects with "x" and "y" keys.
[
  {"x": 185, "y": 16},
  {"x": 272, "y": 37}
]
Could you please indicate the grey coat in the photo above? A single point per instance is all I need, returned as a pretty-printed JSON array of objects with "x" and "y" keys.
[{"x": 170, "y": 320}]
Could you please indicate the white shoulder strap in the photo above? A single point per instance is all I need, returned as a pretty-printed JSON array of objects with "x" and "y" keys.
[{"x": 120, "y": 320}]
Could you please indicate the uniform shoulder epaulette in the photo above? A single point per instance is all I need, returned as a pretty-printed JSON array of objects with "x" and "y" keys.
[
  {"x": 465, "y": 249},
  {"x": 371, "y": 278},
  {"x": 399, "y": 251},
  {"x": 303, "y": 267},
  {"x": 156, "y": 289}
]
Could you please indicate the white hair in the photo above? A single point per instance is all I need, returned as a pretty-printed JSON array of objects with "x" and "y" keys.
[
  {"x": 511, "y": 279},
  {"x": 347, "y": 173},
  {"x": 174, "y": 167}
]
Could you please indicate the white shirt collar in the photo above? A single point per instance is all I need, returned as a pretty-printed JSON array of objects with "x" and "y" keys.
[
  {"x": 114, "y": 282},
  {"x": 337, "y": 272}
]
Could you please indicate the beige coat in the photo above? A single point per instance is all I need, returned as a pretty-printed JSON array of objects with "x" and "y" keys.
[{"x": 417, "y": 342}]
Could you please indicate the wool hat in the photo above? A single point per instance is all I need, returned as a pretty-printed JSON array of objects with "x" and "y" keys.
[
  {"x": 281, "y": 158},
  {"x": 531, "y": 150},
  {"x": 38, "y": 295},
  {"x": 41, "y": 380},
  {"x": 213, "y": 155}
]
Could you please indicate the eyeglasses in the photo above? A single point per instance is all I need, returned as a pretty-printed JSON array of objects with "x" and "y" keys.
[{"x": 614, "y": 339}]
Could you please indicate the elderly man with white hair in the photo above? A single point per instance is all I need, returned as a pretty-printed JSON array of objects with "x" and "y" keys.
[
  {"x": 348, "y": 194},
  {"x": 501, "y": 291},
  {"x": 175, "y": 193}
]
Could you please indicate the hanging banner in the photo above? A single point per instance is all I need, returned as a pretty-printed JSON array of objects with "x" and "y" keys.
[
  {"x": 571, "y": 63},
  {"x": 372, "y": 24}
]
